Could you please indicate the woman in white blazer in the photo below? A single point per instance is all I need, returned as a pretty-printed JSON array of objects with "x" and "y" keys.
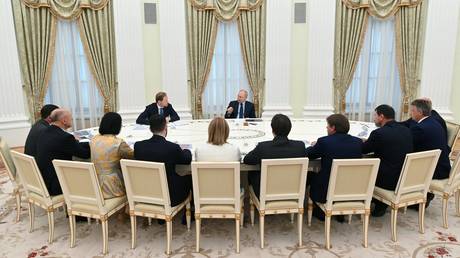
[{"x": 217, "y": 148}]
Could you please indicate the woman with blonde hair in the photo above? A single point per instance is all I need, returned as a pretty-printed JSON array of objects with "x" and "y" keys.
[{"x": 217, "y": 148}]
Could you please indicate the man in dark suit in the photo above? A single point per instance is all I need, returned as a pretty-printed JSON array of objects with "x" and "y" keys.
[
  {"x": 37, "y": 129},
  {"x": 279, "y": 147},
  {"x": 338, "y": 144},
  {"x": 56, "y": 143},
  {"x": 390, "y": 142},
  {"x": 161, "y": 107},
  {"x": 240, "y": 108},
  {"x": 158, "y": 149},
  {"x": 428, "y": 134}
]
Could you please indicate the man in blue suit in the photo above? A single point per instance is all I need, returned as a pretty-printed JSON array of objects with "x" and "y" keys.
[
  {"x": 338, "y": 144},
  {"x": 240, "y": 108},
  {"x": 390, "y": 142},
  {"x": 428, "y": 134},
  {"x": 161, "y": 107}
]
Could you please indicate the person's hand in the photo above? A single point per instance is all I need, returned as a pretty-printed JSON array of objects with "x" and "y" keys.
[
  {"x": 77, "y": 138},
  {"x": 313, "y": 143},
  {"x": 168, "y": 118},
  {"x": 230, "y": 110}
]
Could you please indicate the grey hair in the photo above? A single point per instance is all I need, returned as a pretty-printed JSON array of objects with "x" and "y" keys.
[
  {"x": 245, "y": 91},
  {"x": 58, "y": 114},
  {"x": 422, "y": 106}
]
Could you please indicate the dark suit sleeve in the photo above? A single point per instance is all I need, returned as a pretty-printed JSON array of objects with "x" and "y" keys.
[
  {"x": 143, "y": 118},
  {"x": 371, "y": 144},
  {"x": 183, "y": 157},
  {"x": 229, "y": 115},
  {"x": 173, "y": 116},
  {"x": 314, "y": 152},
  {"x": 74, "y": 148},
  {"x": 407, "y": 123},
  {"x": 252, "y": 114},
  {"x": 417, "y": 136},
  {"x": 253, "y": 157}
]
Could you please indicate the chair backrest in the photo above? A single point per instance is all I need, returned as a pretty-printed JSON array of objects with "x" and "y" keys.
[
  {"x": 454, "y": 176},
  {"x": 417, "y": 172},
  {"x": 146, "y": 182},
  {"x": 30, "y": 175},
  {"x": 283, "y": 179},
  {"x": 79, "y": 183},
  {"x": 352, "y": 180},
  {"x": 5, "y": 155},
  {"x": 216, "y": 183},
  {"x": 453, "y": 130}
]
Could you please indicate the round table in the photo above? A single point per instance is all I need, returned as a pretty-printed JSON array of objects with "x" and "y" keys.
[{"x": 243, "y": 133}]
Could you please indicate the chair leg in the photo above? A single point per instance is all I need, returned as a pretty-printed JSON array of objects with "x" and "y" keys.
[
  {"x": 309, "y": 211},
  {"x": 50, "y": 226},
  {"x": 421, "y": 217},
  {"x": 198, "y": 228},
  {"x": 105, "y": 236},
  {"x": 251, "y": 212},
  {"x": 405, "y": 210},
  {"x": 292, "y": 218},
  {"x": 242, "y": 217},
  {"x": 31, "y": 216},
  {"x": 261, "y": 222},
  {"x": 445, "y": 199},
  {"x": 457, "y": 202},
  {"x": 169, "y": 236},
  {"x": 327, "y": 229},
  {"x": 349, "y": 218},
  {"x": 133, "y": 231},
  {"x": 188, "y": 216},
  {"x": 89, "y": 221},
  {"x": 365, "y": 226},
  {"x": 237, "y": 227},
  {"x": 150, "y": 221},
  {"x": 394, "y": 218},
  {"x": 299, "y": 226},
  {"x": 18, "y": 205},
  {"x": 72, "y": 223}
]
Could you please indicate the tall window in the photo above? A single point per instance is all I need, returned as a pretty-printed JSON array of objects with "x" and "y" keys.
[
  {"x": 227, "y": 73},
  {"x": 72, "y": 85},
  {"x": 376, "y": 79}
]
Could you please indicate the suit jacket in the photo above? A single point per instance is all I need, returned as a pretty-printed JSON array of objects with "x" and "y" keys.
[
  {"x": 152, "y": 109},
  {"x": 158, "y": 149},
  {"x": 249, "y": 111},
  {"x": 280, "y": 147},
  {"x": 336, "y": 146},
  {"x": 410, "y": 122},
  {"x": 390, "y": 143},
  {"x": 37, "y": 129},
  {"x": 429, "y": 135},
  {"x": 55, "y": 143}
]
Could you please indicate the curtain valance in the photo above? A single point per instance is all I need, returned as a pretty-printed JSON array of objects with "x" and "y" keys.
[
  {"x": 381, "y": 8},
  {"x": 226, "y": 10},
  {"x": 67, "y": 9}
]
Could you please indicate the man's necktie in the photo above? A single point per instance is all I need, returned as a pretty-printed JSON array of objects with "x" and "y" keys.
[
  {"x": 161, "y": 111},
  {"x": 241, "y": 111}
]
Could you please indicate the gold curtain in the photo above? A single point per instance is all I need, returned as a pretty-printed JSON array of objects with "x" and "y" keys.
[
  {"x": 98, "y": 37},
  {"x": 380, "y": 8},
  {"x": 350, "y": 29},
  {"x": 251, "y": 27},
  {"x": 36, "y": 36},
  {"x": 66, "y": 9},
  {"x": 410, "y": 23},
  {"x": 201, "y": 33},
  {"x": 226, "y": 10}
]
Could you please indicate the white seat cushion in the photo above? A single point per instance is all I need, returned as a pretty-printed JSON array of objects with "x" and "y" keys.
[
  {"x": 438, "y": 185},
  {"x": 40, "y": 199},
  {"x": 214, "y": 208},
  {"x": 390, "y": 195},
  {"x": 285, "y": 204},
  {"x": 110, "y": 204}
]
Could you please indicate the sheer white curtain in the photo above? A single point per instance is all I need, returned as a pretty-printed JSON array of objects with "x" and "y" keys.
[
  {"x": 376, "y": 79},
  {"x": 72, "y": 85},
  {"x": 227, "y": 73}
]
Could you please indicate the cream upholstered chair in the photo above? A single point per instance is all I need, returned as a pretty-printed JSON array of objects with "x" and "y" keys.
[
  {"x": 36, "y": 191},
  {"x": 282, "y": 191},
  {"x": 5, "y": 155},
  {"x": 414, "y": 181},
  {"x": 447, "y": 188},
  {"x": 218, "y": 201},
  {"x": 150, "y": 199},
  {"x": 453, "y": 131},
  {"x": 350, "y": 189},
  {"x": 83, "y": 196}
]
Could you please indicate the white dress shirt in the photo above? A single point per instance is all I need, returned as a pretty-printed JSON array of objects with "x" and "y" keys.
[{"x": 210, "y": 152}]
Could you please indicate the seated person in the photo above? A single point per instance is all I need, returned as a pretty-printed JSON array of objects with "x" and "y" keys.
[
  {"x": 161, "y": 107},
  {"x": 428, "y": 134},
  {"x": 280, "y": 147},
  {"x": 37, "y": 129},
  {"x": 217, "y": 148},
  {"x": 390, "y": 143},
  {"x": 240, "y": 108},
  {"x": 410, "y": 122},
  {"x": 338, "y": 144},
  {"x": 106, "y": 151},
  {"x": 158, "y": 149},
  {"x": 56, "y": 143}
]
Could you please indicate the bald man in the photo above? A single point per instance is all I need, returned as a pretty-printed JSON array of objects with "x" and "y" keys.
[
  {"x": 240, "y": 108},
  {"x": 56, "y": 143}
]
